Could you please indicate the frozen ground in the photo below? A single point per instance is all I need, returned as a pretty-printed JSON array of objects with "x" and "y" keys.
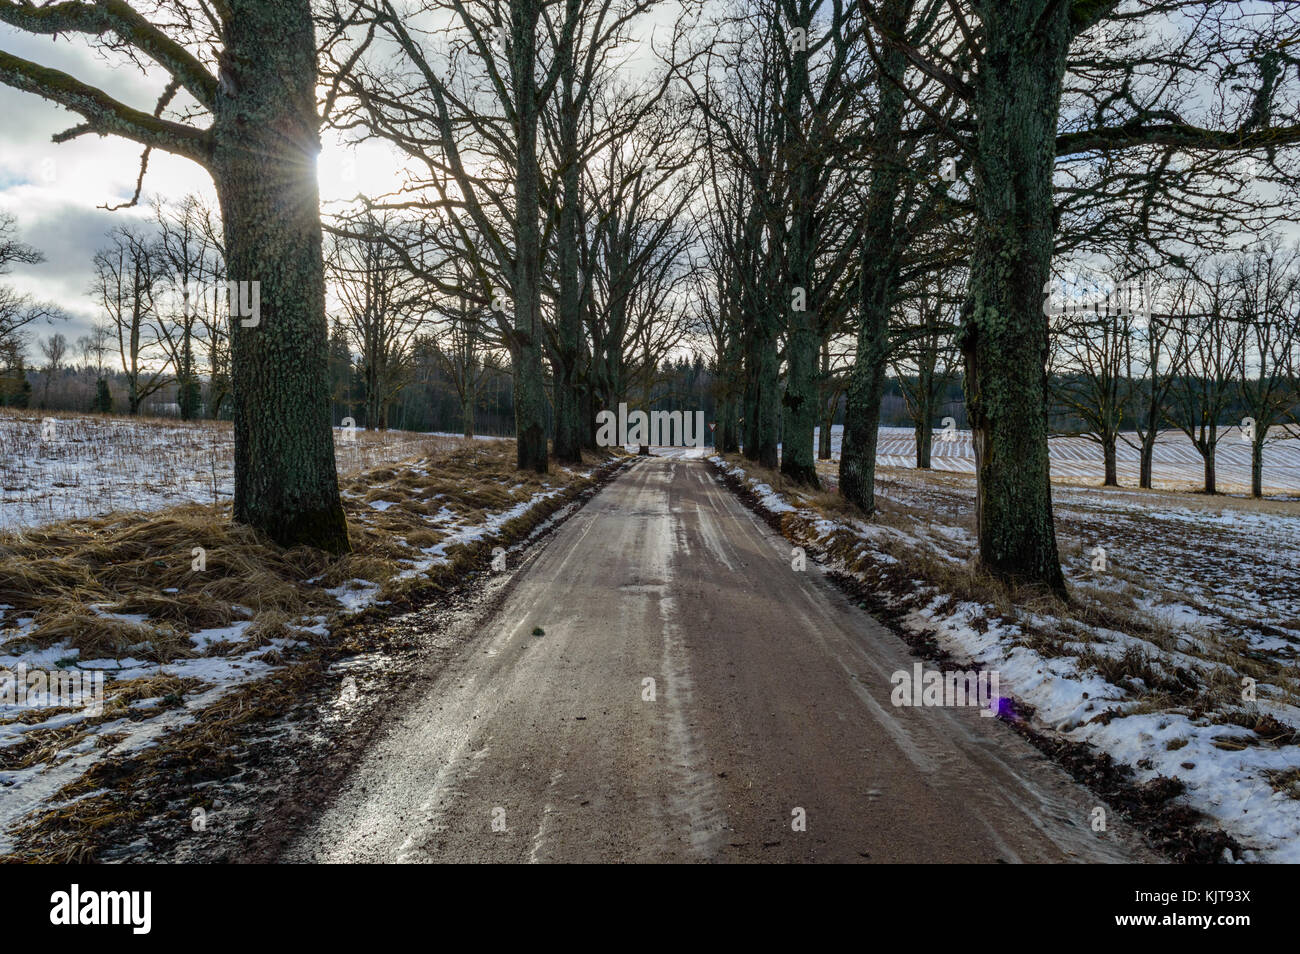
[
  {"x": 1178, "y": 600},
  {"x": 149, "y": 692},
  {"x": 1196, "y": 594},
  {"x": 226, "y": 659}
]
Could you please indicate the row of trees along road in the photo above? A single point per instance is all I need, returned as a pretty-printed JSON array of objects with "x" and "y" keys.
[
  {"x": 530, "y": 158},
  {"x": 981, "y": 141},
  {"x": 826, "y": 189}
]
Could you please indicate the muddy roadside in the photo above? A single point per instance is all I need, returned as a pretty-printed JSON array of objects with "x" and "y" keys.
[{"x": 238, "y": 783}]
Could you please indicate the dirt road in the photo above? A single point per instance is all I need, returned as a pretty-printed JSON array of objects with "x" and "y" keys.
[{"x": 770, "y": 704}]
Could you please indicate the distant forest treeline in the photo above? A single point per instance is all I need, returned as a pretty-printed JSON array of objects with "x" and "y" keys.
[{"x": 429, "y": 400}]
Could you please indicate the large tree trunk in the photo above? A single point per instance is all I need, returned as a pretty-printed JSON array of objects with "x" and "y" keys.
[
  {"x": 1108, "y": 453},
  {"x": 526, "y": 353},
  {"x": 587, "y": 416},
  {"x": 730, "y": 427},
  {"x": 727, "y": 436},
  {"x": 829, "y": 404},
  {"x": 925, "y": 400},
  {"x": 801, "y": 402},
  {"x": 803, "y": 344},
  {"x": 568, "y": 408},
  {"x": 1004, "y": 335},
  {"x": 866, "y": 385},
  {"x": 825, "y": 447},
  {"x": 749, "y": 400},
  {"x": 924, "y": 443},
  {"x": 865, "y": 391},
  {"x": 266, "y": 139}
]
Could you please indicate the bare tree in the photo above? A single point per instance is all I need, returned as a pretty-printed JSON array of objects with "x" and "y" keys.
[
  {"x": 464, "y": 354},
  {"x": 127, "y": 274},
  {"x": 1154, "y": 356},
  {"x": 17, "y": 311},
  {"x": 95, "y": 347},
  {"x": 474, "y": 129},
  {"x": 1012, "y": 62},
  {"x": 185, "y": 257},
  {"x": 1090, "y": 337},
  {"x": 594, "y": 105},
  {"x": 381, "y": 308},
  {"x": 1269, "y": 308},
  {"x": 55, "y": 347},
  {"x": 1212, "y": 338},
  {"x": 925, "y": 360},
  {"x": 776, "y": 90}
]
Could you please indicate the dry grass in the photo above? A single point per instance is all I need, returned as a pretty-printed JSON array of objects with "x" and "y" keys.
[
  {"x": 75, "y": 578},
  {"x": 112, "y": 795},
  {"x": 124, "y": 585},
  {"x": 70, "y": 577}
]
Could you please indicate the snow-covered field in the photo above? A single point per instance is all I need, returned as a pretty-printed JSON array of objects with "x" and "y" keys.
[
  {"x": 59, "y": 467},
  {"x": 1177, "y": 465},
  {"x": 1193, "y": 596}
]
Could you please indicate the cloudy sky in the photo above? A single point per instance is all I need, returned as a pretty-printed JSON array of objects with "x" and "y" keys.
[{"x": 56, "y": 191}]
